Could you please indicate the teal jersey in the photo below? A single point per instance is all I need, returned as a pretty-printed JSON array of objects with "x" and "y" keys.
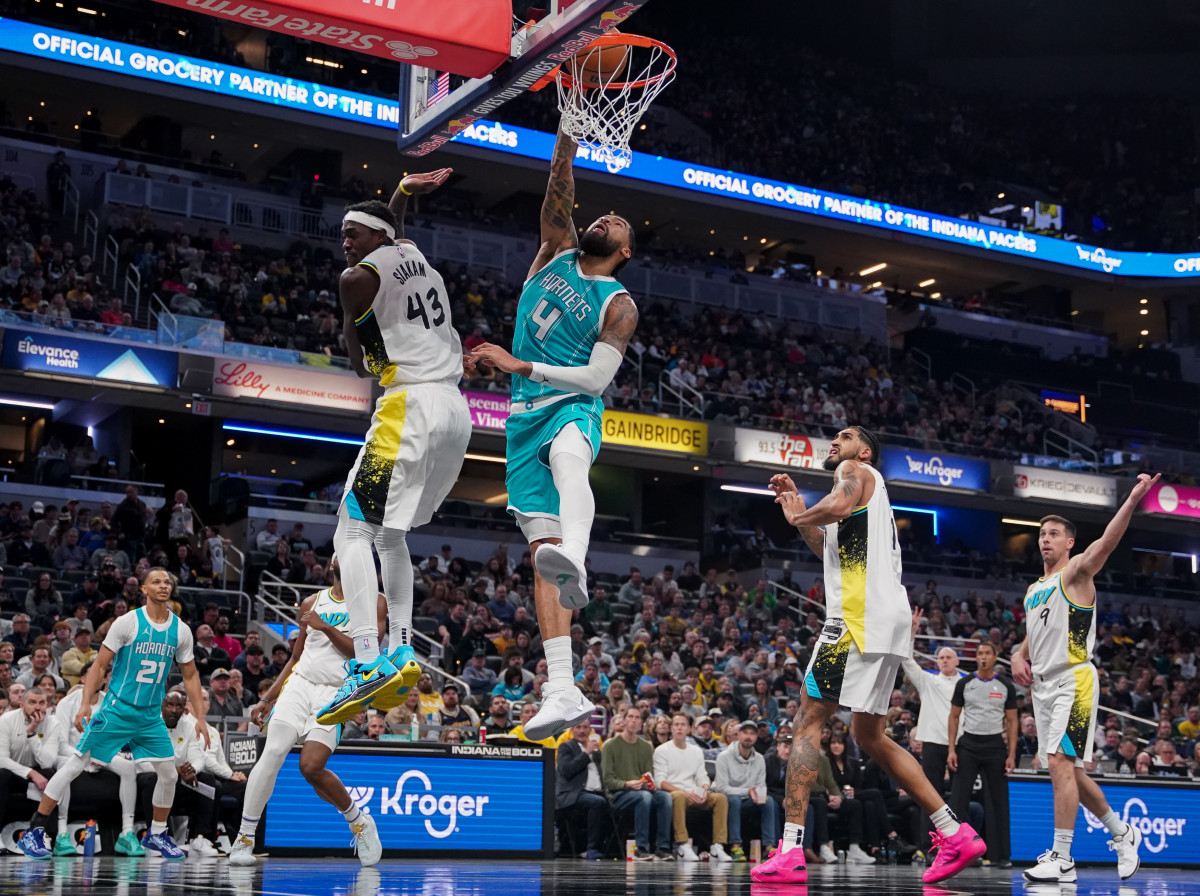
[
  {"x": 144, "y": 654},
  {"x": 559, "y": 319}
]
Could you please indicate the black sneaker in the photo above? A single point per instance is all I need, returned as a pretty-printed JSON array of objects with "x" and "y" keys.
[
  {"x": 664, "y": 855},
  {"x": 643, "y": 855}
]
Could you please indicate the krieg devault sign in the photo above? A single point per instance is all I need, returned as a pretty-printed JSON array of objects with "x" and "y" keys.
[{"x": 1050, "y": 484}]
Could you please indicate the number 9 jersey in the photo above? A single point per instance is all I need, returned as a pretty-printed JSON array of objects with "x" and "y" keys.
[{"x": 406, "y": 335}]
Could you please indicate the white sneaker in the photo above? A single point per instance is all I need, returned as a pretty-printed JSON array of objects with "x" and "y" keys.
[
  {"x": 366, "y": 840},
  {"x": 1128, "y": 860},
  {"x": 561, "y": 570},
  {"x": 559, "y": 711},
  {"x": 242, "y": 852},
  {"x": 856, "y": 856},
  {"x": 717, "y": 853},
  {"x": 1052, "y": 868},
  {"x": 826, "y": 852},
  {"x": 200, "y": 846},
  {"x": 685, "y": 853}
]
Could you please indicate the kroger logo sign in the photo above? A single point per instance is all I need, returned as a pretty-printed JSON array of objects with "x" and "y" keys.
[
  {"x": 933, "y": 469},
  {"x": 1157, "y": 831},
  {"x": 1100, "y": 257},
  {"x": 413, "y": 796}
]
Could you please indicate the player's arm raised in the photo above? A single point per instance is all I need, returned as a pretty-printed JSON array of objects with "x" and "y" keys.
[
  {"x": 849, "y": 491},
  {"x": 557, "y": 226},
  {"x": 1092, "y": 560},
  {"x": 357, "y": 287},
  {"x": 260, "y": 709},
  {"x": 414, "y": 185}
]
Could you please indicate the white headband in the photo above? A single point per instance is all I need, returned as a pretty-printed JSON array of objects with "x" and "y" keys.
[{"x": 370, "y": 221}]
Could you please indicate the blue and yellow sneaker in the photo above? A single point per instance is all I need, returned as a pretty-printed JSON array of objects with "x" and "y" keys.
[
  {"x": 33, "y": 844},
  {"x": 163, "y": 845},
  {"x": 404, "y": 658},
  {"x": 364, "y": 682}
]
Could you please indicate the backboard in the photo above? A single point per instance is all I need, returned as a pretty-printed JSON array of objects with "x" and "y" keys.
[{"x": 433, "y": 108}]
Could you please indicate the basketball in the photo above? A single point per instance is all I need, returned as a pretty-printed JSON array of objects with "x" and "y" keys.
[{"x": 596, "y": 64}]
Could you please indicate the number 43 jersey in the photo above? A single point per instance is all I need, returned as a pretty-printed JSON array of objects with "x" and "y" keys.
[
  {"x": 558, "y": 320},
  {"x": 406, "y": 336}
]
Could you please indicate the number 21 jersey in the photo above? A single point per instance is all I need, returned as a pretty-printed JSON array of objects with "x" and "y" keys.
[
  {"x": 144, "y": 652},
  {"x": 406, "y": 336},
  {"x": 558, "y": 320}
]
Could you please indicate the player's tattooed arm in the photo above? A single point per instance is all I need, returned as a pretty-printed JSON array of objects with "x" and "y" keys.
[
  {"x": 557, "y": 226},
  {"x": 620, "y": 322},
  {"x": 848, "y": 493}
]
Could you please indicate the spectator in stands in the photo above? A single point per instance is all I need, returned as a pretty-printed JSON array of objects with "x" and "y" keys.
[
  {"x": 279, "y": 658},
  {"x": 23, "y": 551},
  {"x": 41, "y": 663},
  {"x": 742, "y": 777},
  {"x": 70, "y": 554},
  {"x": 226, "y": 641},
  {"x": 84, "y": 597},
  {"x": 478, "y": 676},
  {"x": 453, "y": 713},
  {"x": 627, "y": 765},
  {"x": 400, "y": 719},
  {"x": 209, "y": 657},
  {"x": 679, "y": 770},
  {"x": 224, "y": 704},
  {"x": 256, "y": 667},
  {"x": 512, "y": 687},
  {"x": 580, "y": 789},
  {"x": 280, "y": 565},
  {"x": 268, "y": 536},
  {"x": 27, "y": 752},
  {"x": 60, "y": 641},
  {"x": 43, "y": 602},
  {"x": 19, "y": 638},
  {"x": 74, "y": 660},
  {"x": 497, "y": 719}
]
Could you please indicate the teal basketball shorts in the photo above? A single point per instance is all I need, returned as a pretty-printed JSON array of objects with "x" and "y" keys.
[
  {"x": 115, "y": 724},
  {"x": 532, "y": 497}
]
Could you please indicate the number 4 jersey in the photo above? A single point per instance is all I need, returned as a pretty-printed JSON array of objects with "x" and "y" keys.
[
  {"x": 144, "y": 653},
  {"x": 558, "y": 320},
  {"x": 406, "y": 336}
]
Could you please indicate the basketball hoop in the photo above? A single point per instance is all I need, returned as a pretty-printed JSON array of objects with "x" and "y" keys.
[{"x": 601, "y": 116}]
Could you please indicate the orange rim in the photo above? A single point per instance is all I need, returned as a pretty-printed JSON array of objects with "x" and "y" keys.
[{"x": 621, "y": 39}]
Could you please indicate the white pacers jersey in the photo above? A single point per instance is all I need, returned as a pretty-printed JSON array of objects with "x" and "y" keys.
[
  {"x": 862, "y": 577},
  {"x": 321, "y": 662},
  {"x": 1061, "y": 634},
  {"x": 406, "y": 336}
]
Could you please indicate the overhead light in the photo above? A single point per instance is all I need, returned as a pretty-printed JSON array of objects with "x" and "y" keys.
[
  {"x": 324, "y": 62},
  {"x": 1143, "y": 302},
  {"x": 22, "y": 403},
  {"x": 229, "y": 443},
  {"x": 1015, "y": 522},
  {"x": 1193, "y": 557},
  {"x": 932, "y": 513},
  {"x": 748, "y": 490},
  {"x": 999, "y": 195},
  {"x": 161, "y": 420},
  {"x": 292, "y": 434},
  {"x": 1074, "y": 312},
  {"x": 188, "y": 405},
  {"x": 1144, "y": 311},
  {"x": 489, "y": 458},
  {"x": 1145, "y": 332},
  {"x": 87, "y": 12},
  {"x": 876, "y": 284},
  {"x": 928, "y": 282},
  {"x": 935, "y": 295},
  {"x": 872, "y": 269}
]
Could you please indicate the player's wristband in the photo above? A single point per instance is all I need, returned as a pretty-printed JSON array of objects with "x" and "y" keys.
[{"x": 404, "y": 191}]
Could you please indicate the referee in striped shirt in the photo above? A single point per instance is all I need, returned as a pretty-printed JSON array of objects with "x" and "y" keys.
[{"x": 985, "y": 705}]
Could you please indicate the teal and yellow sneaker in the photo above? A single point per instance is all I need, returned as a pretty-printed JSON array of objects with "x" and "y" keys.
[
  {"x": 404, "y": 658},
  {"x": 364, "y": 682}
]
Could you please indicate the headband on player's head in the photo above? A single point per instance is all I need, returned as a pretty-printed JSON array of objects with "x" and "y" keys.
[
  {"x": 871, "y": 439},
  {"x": 371, "y": 222}
]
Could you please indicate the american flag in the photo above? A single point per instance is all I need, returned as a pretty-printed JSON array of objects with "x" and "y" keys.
[{"x": 439, "y": 88}]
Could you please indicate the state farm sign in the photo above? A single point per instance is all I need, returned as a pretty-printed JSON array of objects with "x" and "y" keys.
[
  {"x": 780, "y": 449},
  {"x": 1059, "y": 485},
  {"x": 295, "y": 385}
]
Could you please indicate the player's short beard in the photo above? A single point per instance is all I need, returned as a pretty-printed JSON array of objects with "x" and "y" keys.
[
  {"x": 831, "y": 462},
  {"x": 598, "y": 244}
]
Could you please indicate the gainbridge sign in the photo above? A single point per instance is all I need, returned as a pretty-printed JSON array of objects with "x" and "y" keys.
[{"x": 655, "y": 433}]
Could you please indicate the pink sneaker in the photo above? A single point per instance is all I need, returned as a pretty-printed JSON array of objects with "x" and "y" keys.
[
  {"x": 782, "y": 868},
  {"x": 954, "y": 853}
]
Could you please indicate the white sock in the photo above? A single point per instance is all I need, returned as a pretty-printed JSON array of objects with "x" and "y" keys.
[
  {"x": 793, "y": 837},
  {"x": 1062, "y": 841},
  {"x": 351, "y": 814},
  {"x": 158, "y": 827},
  {"x": 353, "y": 540},
  {"x": 248, "y": 826},
  {"x": 1112, "y": 821},
  {"x": 558, "y": 663},
  {"x": 396, "y": 564},
  {"x": 945, "y": 822},
  {"x": 127, "y": 823},
  {"x": 570, "y": 461}
]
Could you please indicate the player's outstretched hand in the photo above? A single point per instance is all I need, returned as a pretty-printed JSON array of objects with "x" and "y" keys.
[
  {"x": 918, "y": 615},
  {"x": 1021, "y": 673},
  {"x": 494, "y": 355},
  {"x": 426, "y": 182},
  {"x": 202, "y": 730},
  {"x": 782, "y": 482},
  {"x": 1143, "y": 484},
  {"x": 793, "y": 506}
]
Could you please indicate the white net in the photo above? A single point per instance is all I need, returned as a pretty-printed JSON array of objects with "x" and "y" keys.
[{"x": 600, "y": 110}]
